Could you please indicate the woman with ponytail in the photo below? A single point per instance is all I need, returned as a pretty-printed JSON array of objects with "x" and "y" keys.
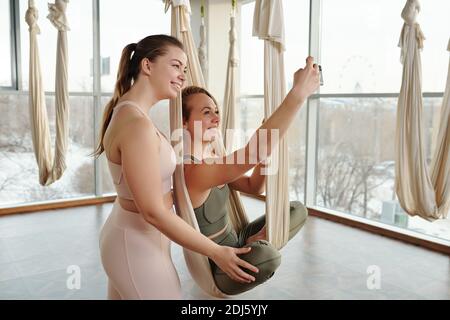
[{"x": 135, "y": 239}]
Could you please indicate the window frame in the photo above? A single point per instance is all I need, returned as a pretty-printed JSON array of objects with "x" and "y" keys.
[{"x": 14, "y": 44}]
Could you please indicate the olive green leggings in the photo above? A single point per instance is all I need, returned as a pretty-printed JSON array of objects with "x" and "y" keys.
[{"x": 263, "y": 255}]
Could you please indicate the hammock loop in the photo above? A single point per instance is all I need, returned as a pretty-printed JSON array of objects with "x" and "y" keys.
[
  {"x": 57, "y": 14},
  {"x": 31, "y": 17},
  {"x": 177, "y": 3},
  {"x": 410, "y": 11}
]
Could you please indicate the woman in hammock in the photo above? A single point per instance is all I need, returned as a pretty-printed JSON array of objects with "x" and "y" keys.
[
  {"x": 134, "y": 241},
  {"x": 208, "y": 180}
]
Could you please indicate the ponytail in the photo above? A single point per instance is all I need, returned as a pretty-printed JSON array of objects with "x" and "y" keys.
[{"x": 123, "y": 84}]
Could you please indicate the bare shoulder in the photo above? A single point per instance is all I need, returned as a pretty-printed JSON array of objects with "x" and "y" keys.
[
  {"x": 137, "y": 126},
  {"x": 130, "y": 123},
  {"x": 126, "y": 132}
]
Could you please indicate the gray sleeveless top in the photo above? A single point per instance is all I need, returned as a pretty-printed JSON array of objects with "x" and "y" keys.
[{"x": 212, "y": 215}]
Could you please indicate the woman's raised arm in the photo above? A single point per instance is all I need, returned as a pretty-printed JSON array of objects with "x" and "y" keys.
[{"x": 214, "y": 172}]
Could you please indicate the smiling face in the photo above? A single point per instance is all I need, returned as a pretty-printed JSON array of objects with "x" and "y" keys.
[
  {"x": 167, "y": 72},
  {"x": 201, "y": 110}
]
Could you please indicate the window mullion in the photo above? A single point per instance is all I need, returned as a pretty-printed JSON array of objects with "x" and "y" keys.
[
  {"x": 312, "y": 118},
  {"x": 97, "y": 90}
]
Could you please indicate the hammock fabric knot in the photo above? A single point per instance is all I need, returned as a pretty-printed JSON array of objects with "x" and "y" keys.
[
  {"x": 31, "y": 17},
  {"x": 57, "y": 14}
]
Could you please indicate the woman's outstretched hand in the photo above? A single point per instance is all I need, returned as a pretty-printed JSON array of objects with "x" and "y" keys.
[
  {"x": 306, "y": 80},
  {"x": 227, "y": 260}
]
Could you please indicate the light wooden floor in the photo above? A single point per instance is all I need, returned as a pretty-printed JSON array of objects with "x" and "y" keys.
[{"x": 324, "y": 261}]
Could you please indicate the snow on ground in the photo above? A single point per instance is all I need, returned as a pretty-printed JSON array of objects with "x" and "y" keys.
[{"x": 19, "y": 178}]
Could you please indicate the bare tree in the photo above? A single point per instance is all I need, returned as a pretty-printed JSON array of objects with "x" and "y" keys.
[{"x": 346, "y": 181}]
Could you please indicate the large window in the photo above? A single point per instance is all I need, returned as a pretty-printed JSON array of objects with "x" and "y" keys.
[
  {"x": 355, "y": 151},
  {"x": 351, "y": 161},
  {"x": 120, "y": 24},
  {"x": 356, "y": 171}
]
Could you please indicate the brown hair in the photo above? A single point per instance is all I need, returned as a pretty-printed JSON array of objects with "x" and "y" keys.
[
  {"x": 150, "y": 47},
  {"x": 187, "y": 92}
]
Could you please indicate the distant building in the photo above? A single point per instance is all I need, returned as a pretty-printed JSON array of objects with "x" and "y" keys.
[{"x": 392, "y": 213}]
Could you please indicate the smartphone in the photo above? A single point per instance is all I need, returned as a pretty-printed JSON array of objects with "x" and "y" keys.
[{"x": 320, "y": 74}]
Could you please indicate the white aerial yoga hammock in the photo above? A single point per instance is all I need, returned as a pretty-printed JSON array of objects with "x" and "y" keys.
[
  {"x": 202, "y": 46},
  {"x": 51, "y": 167},
  {"x": 440, "y": 165},
  {"x": 418, "y": 192},
  {"x": 198, "y": 264},
  {"x": 268, "y": 24}
]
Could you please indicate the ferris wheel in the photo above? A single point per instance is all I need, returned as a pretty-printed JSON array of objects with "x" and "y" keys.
[{"x": 357, "y": 75}]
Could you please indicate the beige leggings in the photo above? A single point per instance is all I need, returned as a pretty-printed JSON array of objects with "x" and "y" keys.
[{"x": 136, "y": 257}]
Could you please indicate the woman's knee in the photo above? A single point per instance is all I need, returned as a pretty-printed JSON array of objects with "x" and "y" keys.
[
  {"x": 298, "y": 216},
  {"x": 265, "y": 257}
]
